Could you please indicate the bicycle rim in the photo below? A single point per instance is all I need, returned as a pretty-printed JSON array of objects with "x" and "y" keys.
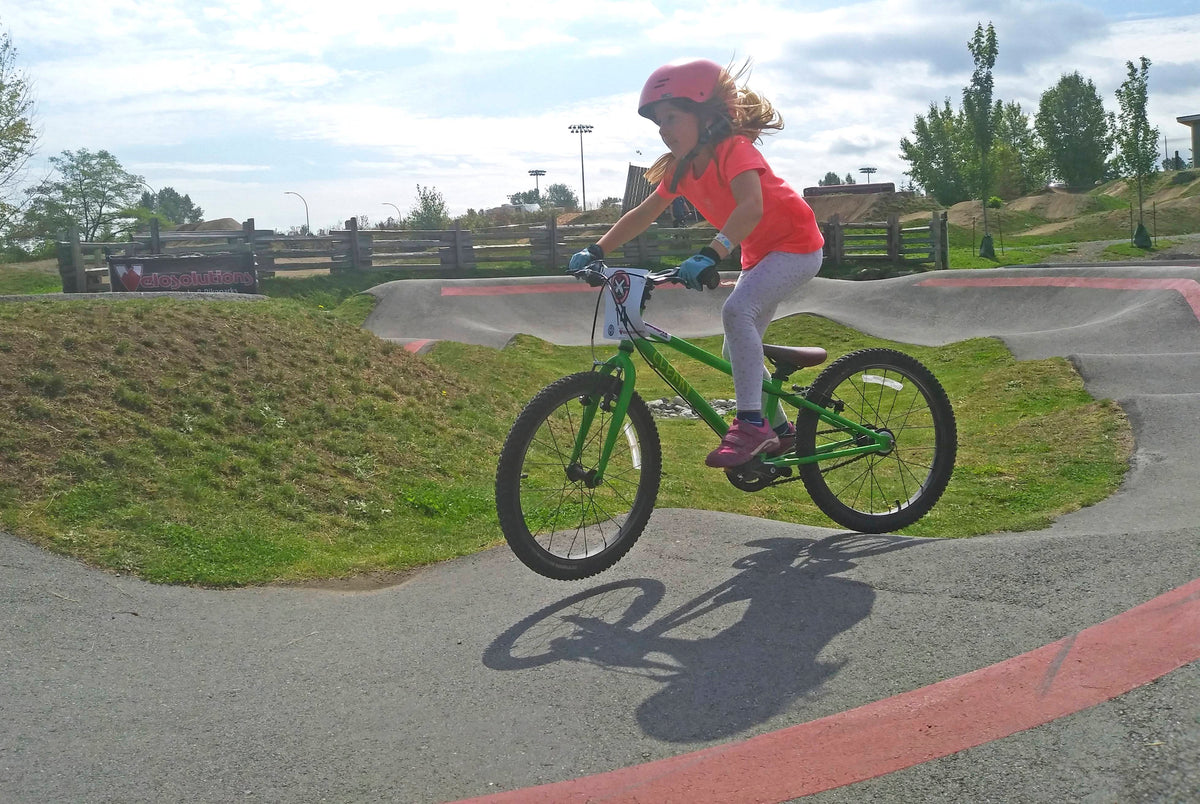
[
  {"x": 557, "y": 520},
  {"x": 887, "y": 391}
]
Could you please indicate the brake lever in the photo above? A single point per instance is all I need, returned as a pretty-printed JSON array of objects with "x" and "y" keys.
[{"x": 667, "y": 275}]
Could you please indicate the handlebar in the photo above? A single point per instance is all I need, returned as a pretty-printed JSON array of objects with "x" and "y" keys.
[{"x": 593, "y": 274}]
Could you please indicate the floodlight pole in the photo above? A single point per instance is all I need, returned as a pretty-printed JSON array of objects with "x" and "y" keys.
[
  {"x": 536, "y": 189},
  {"x": 581, "y": 129}
]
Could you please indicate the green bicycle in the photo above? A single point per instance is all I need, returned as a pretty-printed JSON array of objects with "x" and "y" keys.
[{"x": 580, "y": 469}]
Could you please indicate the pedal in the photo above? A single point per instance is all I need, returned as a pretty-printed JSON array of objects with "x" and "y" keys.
[{"x": 755, "y": 474}]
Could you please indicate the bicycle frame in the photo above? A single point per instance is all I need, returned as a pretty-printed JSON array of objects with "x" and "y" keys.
[{"x": 862, "y": 440}]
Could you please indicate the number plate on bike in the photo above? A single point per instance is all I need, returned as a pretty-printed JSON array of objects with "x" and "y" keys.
[{"x": 623, "y": 303}]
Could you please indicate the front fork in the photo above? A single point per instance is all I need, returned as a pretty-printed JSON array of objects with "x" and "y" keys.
[{"x": 620, "y": 365}]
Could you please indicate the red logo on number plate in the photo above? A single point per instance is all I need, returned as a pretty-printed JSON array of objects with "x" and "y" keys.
[{"x": 620, "y": 286}]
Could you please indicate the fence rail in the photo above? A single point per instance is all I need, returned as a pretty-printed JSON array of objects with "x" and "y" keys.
[{"x": 461, "y": 252}]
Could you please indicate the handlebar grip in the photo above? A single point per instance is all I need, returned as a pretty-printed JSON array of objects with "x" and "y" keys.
[{"x": 710, "y": 278}]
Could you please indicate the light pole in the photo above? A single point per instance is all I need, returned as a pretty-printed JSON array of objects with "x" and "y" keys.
[
  {"x": 399, "y": 214},
  {"x": 537, "y": 190},
  {"x": 307, "y": 224},
  {"x": 581, "y": 129},
  {"x": 868, "y": 171}
]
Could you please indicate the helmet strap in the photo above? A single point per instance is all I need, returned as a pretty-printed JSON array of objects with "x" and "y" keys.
[{"x": 715, "y": 131}]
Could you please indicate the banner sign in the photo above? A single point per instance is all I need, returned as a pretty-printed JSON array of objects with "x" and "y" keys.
[{"x": 228, "y": 273}]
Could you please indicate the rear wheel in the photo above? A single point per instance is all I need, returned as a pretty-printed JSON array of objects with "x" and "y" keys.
[
  {"x": 892, "y": 393},
  {"x": 556, "y": 518}
]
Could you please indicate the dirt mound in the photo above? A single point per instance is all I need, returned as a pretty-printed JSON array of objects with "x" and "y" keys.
[
  {"x": 849, "y": 207},
  {"x": 1054, "y": 204},
  {"x": 218, "y": 225}
]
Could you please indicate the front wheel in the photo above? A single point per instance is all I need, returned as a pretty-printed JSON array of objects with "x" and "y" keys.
[
  {"x": 888, "y": 392},
  {"x": 556, "y": 518}
]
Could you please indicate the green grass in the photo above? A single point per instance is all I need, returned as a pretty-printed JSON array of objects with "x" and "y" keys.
[
  {"x": 224, "y": 443},
  {"x": 30, "y": 278}
]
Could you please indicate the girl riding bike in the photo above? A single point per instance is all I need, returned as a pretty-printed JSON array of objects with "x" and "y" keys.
[{"x": 710, "y": 125}]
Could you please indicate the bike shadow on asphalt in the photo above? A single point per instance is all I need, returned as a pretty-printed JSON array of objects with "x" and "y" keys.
[{"x": 720, "y": 674}]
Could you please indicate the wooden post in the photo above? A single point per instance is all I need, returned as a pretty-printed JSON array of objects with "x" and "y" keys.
[
  {"x": 552, "y": 233},
  {"x": 155, "y": 239},
  {"x": 248, "y": 235},
  {"x": 355, "y": 253},
  {"x": 837, "y": 244},
  {"x": 939, "y": 241},
  {"x": 459, "y": 262},
  {"x": 77, "y": 262},
  {"x": 893, "y": 238}
]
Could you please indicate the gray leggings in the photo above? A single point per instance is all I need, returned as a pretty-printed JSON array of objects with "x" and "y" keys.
[{"x": 748, "y": 311}]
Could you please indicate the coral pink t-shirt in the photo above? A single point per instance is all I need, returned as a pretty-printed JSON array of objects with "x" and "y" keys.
[{"x": 787, "y": 224}]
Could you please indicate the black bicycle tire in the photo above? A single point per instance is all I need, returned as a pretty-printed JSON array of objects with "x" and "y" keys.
[
  {"x": 945, "y": 435},
  {"x": 511, "y": 468}
]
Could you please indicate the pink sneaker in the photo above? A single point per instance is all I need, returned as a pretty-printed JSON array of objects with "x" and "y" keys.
[
  {"x": 787, "y": 443},
  {"x": 743, "y": 441}
]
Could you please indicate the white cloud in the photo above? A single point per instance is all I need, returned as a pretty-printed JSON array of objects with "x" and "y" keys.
[{"x": 236, "y": 101}]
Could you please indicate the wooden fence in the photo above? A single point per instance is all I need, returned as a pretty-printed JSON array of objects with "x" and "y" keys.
[
  {"x": 888, "y": 241},
  {"x": 461, "y": 252}
]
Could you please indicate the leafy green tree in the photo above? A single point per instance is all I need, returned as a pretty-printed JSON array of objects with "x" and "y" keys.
[
  {"x": 560, "y": 195},
  {"x": 169, "y": 205},
  {"x": 526, "y": 197},
  {"x": 430, "y": 211},
  {"x": 1017, "y": 162},
  {"x": 91, "y": 190},
  {"x": 1075, "y": 131},
  {"x": 939, "y": 154},
  {"x": 849, "y": 179},
  {"x": 1137, "y": 141},
  {"x": 981, "y": 114},
  {"x": 830, "y": 180},
  {"x": 18, "y": 137}
]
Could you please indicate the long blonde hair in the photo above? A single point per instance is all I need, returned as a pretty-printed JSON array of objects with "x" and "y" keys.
[{"x": 731, "y": 111}]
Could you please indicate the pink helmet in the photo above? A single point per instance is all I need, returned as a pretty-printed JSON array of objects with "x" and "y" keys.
[{"x": 691, "y": 80}]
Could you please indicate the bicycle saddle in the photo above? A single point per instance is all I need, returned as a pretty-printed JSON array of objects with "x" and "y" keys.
[{"x": 788, "y": 359}]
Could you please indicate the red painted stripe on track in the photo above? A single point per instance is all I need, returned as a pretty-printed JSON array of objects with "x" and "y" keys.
[
  {"x": 416, "y": 346},
  {"x": 1093, "y": 666},
  {"x": 1188, "y": 288}
]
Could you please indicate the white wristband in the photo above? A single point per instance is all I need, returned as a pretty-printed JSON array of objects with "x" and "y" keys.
[{"x": 725, "y": 242}]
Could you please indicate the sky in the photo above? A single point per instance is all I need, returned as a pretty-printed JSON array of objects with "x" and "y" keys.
[{"x": 241, "y": 103}]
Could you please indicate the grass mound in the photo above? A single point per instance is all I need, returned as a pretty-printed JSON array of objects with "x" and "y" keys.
[
  {"x": 231, "y": 443},
  {"x": 222, "y": 443}
]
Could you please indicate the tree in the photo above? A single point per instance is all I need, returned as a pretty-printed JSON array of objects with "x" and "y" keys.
[
  {"x": 560, "y": 195},
  {"x": 1017, "y": 162},
  {"x": 1175, "y": 162},
  {"x": 850, "y": 179},
  {"x": 1137, "y": 141},
  {"x": 939, "y": 155},
  {"x": 830, "y": 180},
  {"x": 169, "y": 205},
  {"x": 981, "y": 115},
  {"x": 430, "y": 211},
  {"x": 525, "y": 197},
  {"x": 1075, "y": 131},
  {"x": 18, "y": 138},
  {"x": 91, "y": 190}
]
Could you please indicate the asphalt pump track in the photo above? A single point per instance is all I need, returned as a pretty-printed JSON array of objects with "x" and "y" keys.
[{"x": 726, "y": 659}]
